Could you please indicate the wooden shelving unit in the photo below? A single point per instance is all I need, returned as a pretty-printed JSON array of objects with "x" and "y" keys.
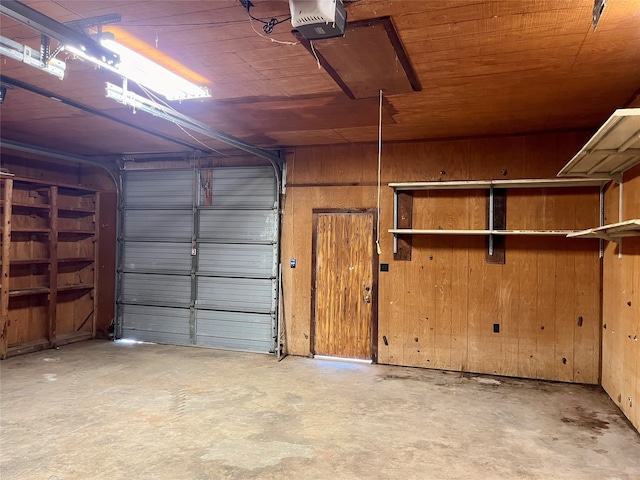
[
  {"x": 48, "y": 264},
  {"x": 403, "y": 192}
]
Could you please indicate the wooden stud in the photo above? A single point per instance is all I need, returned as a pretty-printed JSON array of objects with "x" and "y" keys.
[{"x": 6, "y": 256}]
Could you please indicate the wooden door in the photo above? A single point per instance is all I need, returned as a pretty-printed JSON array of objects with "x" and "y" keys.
[{"x": 344, "y": 286}]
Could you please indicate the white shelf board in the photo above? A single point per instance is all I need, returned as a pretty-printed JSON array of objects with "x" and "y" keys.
[
  {"x": 485, "y": 184},
  {"x": 612, "y": 150},
  {"x": 409, "y": 231},
  {"x": 612, "y": 232}
]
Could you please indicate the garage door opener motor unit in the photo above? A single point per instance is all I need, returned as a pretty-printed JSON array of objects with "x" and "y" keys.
[{"x": 318, "y": 19}]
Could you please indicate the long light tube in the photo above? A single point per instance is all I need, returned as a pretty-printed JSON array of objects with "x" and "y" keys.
[{"x": 143, "y": 71}]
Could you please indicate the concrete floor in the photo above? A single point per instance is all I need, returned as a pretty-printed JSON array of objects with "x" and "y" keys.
[{"x": 99, "y": 410}]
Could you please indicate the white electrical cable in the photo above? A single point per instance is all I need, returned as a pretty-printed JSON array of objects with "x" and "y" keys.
[
  {"x": 313, "y": 50},
  {"x": 157, "y": 99},
  {"x": 379, "y": 164}
]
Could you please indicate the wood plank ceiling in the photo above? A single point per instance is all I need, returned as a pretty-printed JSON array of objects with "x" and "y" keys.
[{"x": 487, "y": 67}]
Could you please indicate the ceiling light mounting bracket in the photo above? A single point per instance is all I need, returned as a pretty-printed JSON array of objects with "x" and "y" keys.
[{"x": 59, "y": 31}]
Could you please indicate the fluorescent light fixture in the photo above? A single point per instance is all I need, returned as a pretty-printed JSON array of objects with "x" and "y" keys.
[
  {"x": 146, "y": 73},
  {"x": 143, "y": 71}
]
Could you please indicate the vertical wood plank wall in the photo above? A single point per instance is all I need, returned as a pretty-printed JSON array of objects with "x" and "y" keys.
[
  {"x": 621, "y": 305},
  {"x": 438, "y": 310}
]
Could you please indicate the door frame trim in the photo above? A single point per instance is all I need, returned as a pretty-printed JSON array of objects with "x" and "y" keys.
[{"x": 373, "y": 327}]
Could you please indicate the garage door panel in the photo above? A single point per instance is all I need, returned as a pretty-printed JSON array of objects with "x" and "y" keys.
[
  {"x": 257, "y": 226},
  {"x": 229, "y": 187},
  {"x": 151, "y": 257},
  {"x": 240, "y": 331},
  {"x": 150, "y": 289},
  {"x": 156, "y": 324},
  {"x": 235, "y": 294},
  {"x": 253, "y": 261},
  {"x": 166, "y": 188},
  {"x": 158, "y": 224}
]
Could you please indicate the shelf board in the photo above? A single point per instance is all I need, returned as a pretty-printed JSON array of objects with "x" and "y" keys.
[
  {"x": 76, "y": 232},
  {"x": 485, "y": 184},
  {"x": 76, "y": 211},
  {"x": 407, "y": 231},
  {"x": 29, "y": 261},
  {"x": 76, "y": 260},
  {"x": 613, "y": 149},
  {"x": 23, "y": 181},
  {"x": 79, "y": 286},
  {"x": 21, "y": 292},
  {"x": 30, "y": 230},
  {"x": 34, "y": 206},
  {"x": 612, "y": 232}
]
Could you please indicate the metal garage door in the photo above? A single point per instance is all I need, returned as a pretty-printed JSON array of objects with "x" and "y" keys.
[{"x": 199, "y": 257}]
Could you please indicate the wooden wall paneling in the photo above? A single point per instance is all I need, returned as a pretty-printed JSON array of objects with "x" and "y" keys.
[
  {"x": 28, "y": 322},
  {"x": 417, "y": 331},
  {"x": 621, "y": 305},
  {"x": 460, "y": 294},
  {"x": 440, "y": 260},
  {"x": 562, "y": 360},
  {"x": 587, "y": 314},
  {"x": 633, "y": 342},
  {"x": 509, "y": 295},
  {"x": 95, "y": 292},
  {"x": 526, "y": 304},
  {"x": 53, "y": 265},
  {"x": 459, "y": 298},
  {"x": 627, "y": 329},
  {"x": 6, "y": 255},
  {"x": 405, "y": 221},
  {"x": 484, "y": 301},
  {"x": 106, "y": 263},
  {"x": 300, "y": 203}
]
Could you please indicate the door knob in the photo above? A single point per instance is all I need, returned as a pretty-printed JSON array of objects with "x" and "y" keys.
[{"x": 367, "y": 298}]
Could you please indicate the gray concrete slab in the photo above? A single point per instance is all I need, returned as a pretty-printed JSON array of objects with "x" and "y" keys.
[{"x": 99, "y": 410}]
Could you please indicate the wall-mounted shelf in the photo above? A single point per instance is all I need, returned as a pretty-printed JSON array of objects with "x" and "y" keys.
[
  {"x": 29, "y": 261},
  {"x": 75, "y": 232},
  {"x": 21, "y": 292},
  {"x": 612, "y": 150},
  {"x": 496, "y": 210},
  {"x": 488, "y": 184},
  {"x": 76, "y": 211},
  {"x": 31, "y": 206},
  {"x": 31, "y": 230},
  {"x": 76, "y": 260},
  {"x": 612, "y": 232},
  {"x": 79, "y": 286},
  {"x": 406, "y": 231}
]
